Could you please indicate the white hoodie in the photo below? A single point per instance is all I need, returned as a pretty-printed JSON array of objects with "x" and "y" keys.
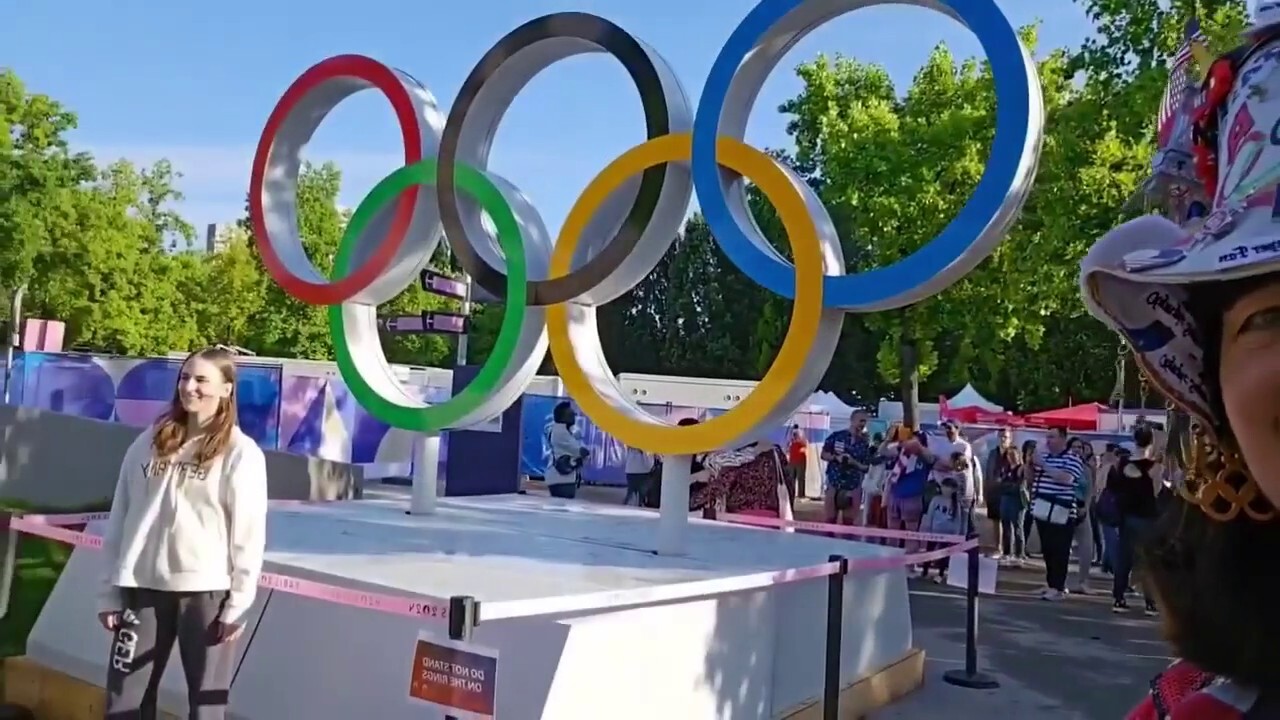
[{"x": 179, "y": 527}]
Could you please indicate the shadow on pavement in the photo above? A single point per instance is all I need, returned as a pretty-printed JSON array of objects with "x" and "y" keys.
[
  {"x": 1068, "y": 660},
  {"x": 1072, "y": 659}
]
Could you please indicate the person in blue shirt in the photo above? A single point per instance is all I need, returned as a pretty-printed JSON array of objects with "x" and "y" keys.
[
  {"x": 907, "y": 484},
  {"x": 848, "y": 454}
]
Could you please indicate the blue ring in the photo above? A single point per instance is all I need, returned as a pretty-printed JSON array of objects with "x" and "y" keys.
[{"x": 1000, "y": 42}]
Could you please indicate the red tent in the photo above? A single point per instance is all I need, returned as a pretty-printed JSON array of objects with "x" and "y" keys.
[
  {"x": 1074, "y": 417},
  {"x": 975, "y": 415}
]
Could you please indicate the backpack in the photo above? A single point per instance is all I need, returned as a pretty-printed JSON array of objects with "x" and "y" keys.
[{"x": 1107, "y": 509}]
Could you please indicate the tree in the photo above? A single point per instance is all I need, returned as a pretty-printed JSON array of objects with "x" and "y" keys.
[
  {"x": 89, "y": 243},
  {"x": 234, "y": 291},
  {"x": 283, "y": 326},
  {"x": 1126, "y": 58},
  {"x": 902, "y": 167},
  {"x": 38, "y": 176},
  {"x": 104, "y": 272}
]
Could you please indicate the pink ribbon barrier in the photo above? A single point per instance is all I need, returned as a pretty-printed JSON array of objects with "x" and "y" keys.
[
  {"x": 54, "y": 527},
  {"x": 65, "y": 519},
  {"x": 51, "y": 527},
  {"x": 840, "y": 529}
]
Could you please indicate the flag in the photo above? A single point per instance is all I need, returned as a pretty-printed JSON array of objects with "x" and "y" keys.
[{"x": 1180, "y": 78}]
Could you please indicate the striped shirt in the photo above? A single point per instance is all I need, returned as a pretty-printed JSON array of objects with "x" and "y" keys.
[{"x": 1057, "y": 491}]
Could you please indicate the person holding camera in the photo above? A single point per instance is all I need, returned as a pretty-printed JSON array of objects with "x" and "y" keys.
[
  {"x": 567, "y": 453},
  {"x": 848, "y": 454}
]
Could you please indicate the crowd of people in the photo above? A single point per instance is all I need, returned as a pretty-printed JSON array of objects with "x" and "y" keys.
[{"x": 1074, "y": 502}]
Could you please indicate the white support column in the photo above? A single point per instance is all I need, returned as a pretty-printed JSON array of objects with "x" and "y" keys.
[
  {"x": 426, "y": 475},
  {"x": 673, "y": 517}
]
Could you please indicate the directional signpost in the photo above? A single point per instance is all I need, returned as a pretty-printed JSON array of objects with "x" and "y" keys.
[
  {"x": 443, "y": 285},
  {"x": 431, "y": 322},
  {"x": 442, "y": 323}
]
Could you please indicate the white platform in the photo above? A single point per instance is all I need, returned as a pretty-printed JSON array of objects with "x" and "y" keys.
[{"x": 750, "y": 656}]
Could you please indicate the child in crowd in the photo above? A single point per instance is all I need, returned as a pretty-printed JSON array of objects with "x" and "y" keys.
[
  {"x": 957, "y": 465},
  {"x": 945, "y": 516}
]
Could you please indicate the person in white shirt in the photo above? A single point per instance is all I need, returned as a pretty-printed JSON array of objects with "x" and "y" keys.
[
  {"x": 184, "y": 545},
  {"x": 638, "y": 467},
  {"x": 956, "y": 444},
  {"x": 567, "y": 453}
]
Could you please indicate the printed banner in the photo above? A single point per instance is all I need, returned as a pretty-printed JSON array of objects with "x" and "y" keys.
[
  {"x": 300, "y": 408},
  {"x": 456, "y": 677}
]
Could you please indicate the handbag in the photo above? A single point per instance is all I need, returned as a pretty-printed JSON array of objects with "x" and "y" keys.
[
  {"x": 1046, "y": 510},
  {"x": 566, "y": 464}
]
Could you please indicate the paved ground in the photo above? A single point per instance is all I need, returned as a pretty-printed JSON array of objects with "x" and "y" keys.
[{"x": 1072, "y": 660}]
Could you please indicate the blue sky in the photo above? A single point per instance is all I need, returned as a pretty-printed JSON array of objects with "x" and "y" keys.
[{"x": 194, "y": 82}]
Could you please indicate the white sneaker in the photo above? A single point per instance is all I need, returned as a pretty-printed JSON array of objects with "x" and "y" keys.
[
  {"x": 1054, "y": 595},
  {"x": 997, "y": 556},
  {"x": 1082, "y": 590}
]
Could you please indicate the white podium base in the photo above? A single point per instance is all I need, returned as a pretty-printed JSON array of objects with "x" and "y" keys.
[{"x": 753, "y": 656}]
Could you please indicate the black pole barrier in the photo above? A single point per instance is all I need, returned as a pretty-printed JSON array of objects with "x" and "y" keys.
[
  {"x": 462, "y": 620},
  {"x": 835, "y": 634},
  {"x": 970, "y": 677}
]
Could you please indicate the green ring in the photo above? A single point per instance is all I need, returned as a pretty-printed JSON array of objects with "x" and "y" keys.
[{"x": 445, "y": 415}]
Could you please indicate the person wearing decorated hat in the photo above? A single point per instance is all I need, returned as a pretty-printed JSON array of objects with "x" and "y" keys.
[{"x": 1200, "y": 309}]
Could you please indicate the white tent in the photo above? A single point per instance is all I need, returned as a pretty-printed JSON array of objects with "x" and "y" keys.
[
  {"x": 969, "y": 397},
  {"x": 833, "y": 405}
]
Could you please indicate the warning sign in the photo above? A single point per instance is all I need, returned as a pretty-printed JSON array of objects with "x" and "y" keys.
[{"x": 457, "y": 677}]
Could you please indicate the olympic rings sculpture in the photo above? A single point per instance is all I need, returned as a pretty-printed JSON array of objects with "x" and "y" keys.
[{"x": 621, "y": 225}]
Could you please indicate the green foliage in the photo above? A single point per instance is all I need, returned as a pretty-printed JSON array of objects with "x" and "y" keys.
[{"x": 101, "y": 248}]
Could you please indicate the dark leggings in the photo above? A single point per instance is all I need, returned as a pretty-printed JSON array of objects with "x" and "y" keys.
[
  {"x": 1055, "y": 545},
  {"x": 1096, "y": 528},
  {"x": 139, "y": 653},
  {"x": 1132, "y": 532}
]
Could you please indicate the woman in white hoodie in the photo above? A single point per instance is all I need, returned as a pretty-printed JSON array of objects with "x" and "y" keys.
[{"x": 184, "y": 546}]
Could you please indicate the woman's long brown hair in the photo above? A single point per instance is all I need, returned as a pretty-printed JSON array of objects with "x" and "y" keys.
[{"x": 172, "y": 427}]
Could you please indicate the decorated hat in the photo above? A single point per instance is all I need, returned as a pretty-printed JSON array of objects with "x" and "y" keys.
[
  {"x": 1136, "y": 277},
  {"x": 1266, "y": 15}
]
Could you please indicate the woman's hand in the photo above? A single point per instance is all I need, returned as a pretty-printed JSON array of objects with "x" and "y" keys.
[
  {"x": 226, "y": 632},
  {"x": 109, "y": 620}
]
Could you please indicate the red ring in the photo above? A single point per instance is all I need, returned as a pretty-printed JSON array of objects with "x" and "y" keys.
[{"x": 386, "y": 81}]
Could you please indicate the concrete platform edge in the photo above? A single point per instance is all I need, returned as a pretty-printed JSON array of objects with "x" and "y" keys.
[
  {"x": 53, "y": 695},
  {"x": 873, "y": 692}
]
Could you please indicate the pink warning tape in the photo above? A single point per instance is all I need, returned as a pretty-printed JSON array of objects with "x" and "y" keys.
[
  {"x": 53, "y": 528},
  {"x": 857, "y": 530},
  {"x": 65, "y": 519}
]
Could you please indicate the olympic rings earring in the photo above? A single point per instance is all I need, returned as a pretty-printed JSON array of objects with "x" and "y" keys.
[{"x": 1220, "y": 484}]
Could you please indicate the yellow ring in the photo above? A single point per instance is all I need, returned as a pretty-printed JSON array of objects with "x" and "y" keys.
[{"x": 639, "y": 429}]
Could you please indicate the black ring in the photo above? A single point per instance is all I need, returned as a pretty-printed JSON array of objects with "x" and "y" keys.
[{"x": 635, "y": 60}]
